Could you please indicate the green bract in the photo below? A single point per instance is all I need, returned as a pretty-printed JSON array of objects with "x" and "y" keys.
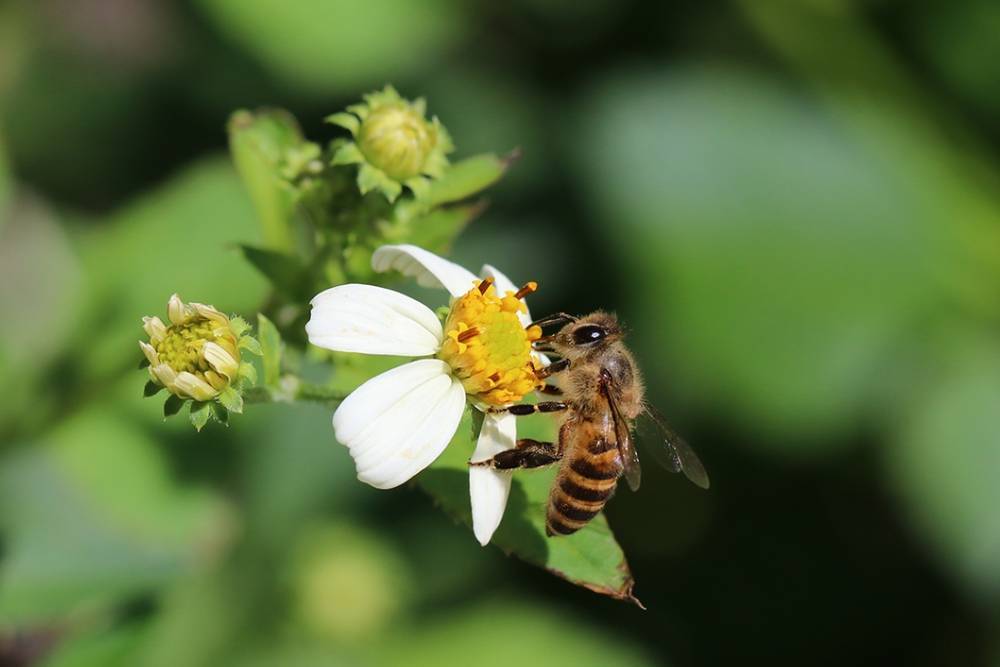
[{"x": 394, "y": 144}]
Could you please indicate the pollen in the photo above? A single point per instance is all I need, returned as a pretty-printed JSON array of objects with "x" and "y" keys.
[
  {"x": 487, "y": 346},
  {"x": 182, "y": 348}
]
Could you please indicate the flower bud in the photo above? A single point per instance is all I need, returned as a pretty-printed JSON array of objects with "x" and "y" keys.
[
  {"x": 394, "y": 144},
  {"x": 197, "y": 356}
]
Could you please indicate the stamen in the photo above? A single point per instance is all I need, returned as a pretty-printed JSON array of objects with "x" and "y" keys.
[
  {"x": 468, "y": 334},
  {"x": 526, "y": 290},
  {"x": 487, "y": 346}
]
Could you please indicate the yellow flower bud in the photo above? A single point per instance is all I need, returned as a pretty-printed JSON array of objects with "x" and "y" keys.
[
  {"x": 394, "y": 145},
  {"x": 197, "y": 356}
]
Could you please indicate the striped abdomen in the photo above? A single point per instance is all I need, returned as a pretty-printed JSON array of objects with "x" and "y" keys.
[{"x": 586, "y": 480}]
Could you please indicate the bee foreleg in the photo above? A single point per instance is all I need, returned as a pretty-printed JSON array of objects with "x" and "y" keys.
[
  {"x": 551, "y": 389},
  {"x": 552, "y": 369},
  {"x": 528, "y": 454},
  {"x": 522, "y": 409}
]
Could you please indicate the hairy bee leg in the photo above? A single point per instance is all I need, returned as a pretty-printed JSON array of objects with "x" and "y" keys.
[
  {"x": 528, "y": 454},
  {"x": 523, "y": 409},
  {"x": 552, "y": 369},
  {"x": 551, "y": 390},
  {"x": 555, "y": 318}
]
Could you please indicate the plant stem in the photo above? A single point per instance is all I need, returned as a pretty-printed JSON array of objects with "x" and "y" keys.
[{"x": 292, "y": 389}]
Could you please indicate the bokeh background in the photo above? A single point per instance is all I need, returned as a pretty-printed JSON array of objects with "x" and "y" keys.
[{"x": 794, "y": 205}]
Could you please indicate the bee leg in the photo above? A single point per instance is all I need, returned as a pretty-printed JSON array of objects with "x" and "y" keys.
[
  {"x": 552, "y": 369},
  {"x": 551, "y": 389},
  {"x": 527, "y": 454},
  {"x": 522, "y": 409}
]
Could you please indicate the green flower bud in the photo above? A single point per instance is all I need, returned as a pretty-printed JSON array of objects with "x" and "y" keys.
[
  {"x": 394, "y": 144},
  {"x": 198, "y": 356}
]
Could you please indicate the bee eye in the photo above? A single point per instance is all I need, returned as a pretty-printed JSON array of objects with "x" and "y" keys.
[{"x": 588, "y": 334}]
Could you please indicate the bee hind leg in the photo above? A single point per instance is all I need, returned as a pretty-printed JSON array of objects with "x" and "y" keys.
[{"x": 527, "y": 454}]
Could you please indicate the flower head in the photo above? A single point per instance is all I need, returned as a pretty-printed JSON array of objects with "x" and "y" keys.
[
  {"x": 488, "y": 347},
  {"x": 399, "y": 422},
  {"x": 197, "y": 356},
  {"x": 394, "y": 144}
]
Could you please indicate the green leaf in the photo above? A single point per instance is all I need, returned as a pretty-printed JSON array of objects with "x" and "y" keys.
[
  {"x": 5, "y": 183},
  {"x": 270, "y": 346},
  {"x": 287, "y": 485},
  {"x": 172, "y": 405},
  {"x": 466, "y": 178},
  {"x": 327, "y": 46},
  {"x": 590, "y": 557},
  {"x": 107, "y": 647},
  {"x": 455, "y": 637},
  {"x": 35, "y": 251},
  {"x": 437, "y": 230},
  {"x": 199, "y": 413},
  {"x": 151, "y": 389},
  {"x": 944, "y": 460},
  {"x": 231, "y": 400},
  {"x": 258, "y": 143},
  {"x": 288, "y": 275},
  {"x": 91, "y": 516}
]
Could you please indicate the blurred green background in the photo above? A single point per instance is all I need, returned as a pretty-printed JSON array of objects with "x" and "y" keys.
[{"x": 794, "y": 205}]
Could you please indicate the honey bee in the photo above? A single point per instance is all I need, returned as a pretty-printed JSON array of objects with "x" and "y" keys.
[{"x": 602, "y": 395}]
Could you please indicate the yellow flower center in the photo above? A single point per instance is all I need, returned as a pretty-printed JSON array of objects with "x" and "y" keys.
[
  {"x": 397, "y": 140},
  {"x": 488, "y": 348},
  {"x": 181, "y": 348}
]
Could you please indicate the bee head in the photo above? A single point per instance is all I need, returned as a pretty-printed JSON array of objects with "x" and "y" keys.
[{"x": 586, "y": 335}]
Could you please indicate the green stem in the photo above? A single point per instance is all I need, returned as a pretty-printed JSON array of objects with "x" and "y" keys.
[{"x": 292, "y": 389}]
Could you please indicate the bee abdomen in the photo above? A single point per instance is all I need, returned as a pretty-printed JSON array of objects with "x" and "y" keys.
[{"x": 584, "y": 485}]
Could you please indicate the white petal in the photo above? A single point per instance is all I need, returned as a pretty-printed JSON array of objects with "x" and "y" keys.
[
  {"x": 428, "y": 269},
  {"x": 154, "y": 328},
  {"x": 194, "y": 387},
  {"x": 178, "y": 312},
  {"x": 164, "y": 373},
  {"x": 219, "y": 359},
  {"x": 209, "y": 313},
  {"x": 151, "y": 356},
  {"x": 398, "y": 422},
  {"x": 488, "y": 488},
  {"x": 503, "y": 285},
  {"x": 373, "y": 320}
]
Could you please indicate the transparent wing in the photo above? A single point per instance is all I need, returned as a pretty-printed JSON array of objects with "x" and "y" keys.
[
  {"x": 679, "y": 457},
  {"x": 623, "y": 434}
]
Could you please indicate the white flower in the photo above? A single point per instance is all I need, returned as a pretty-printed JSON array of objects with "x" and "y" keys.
[{"x": 399, "y": 422}]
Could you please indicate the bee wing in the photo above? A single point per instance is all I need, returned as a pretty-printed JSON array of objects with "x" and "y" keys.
[
  {"x": 679, "y": 455},
  {"x": 623, "y": 435}
]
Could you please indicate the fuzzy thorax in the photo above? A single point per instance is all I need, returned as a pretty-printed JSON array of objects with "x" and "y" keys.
[{"x": 488, "y": 347}]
